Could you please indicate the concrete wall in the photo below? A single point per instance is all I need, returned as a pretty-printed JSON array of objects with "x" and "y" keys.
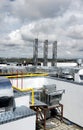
[
  {"x": 27, "y": 123},
  {"x": 22, "y": 100}
]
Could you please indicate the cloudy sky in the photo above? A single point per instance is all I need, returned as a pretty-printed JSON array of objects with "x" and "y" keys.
[{"x": 21, "y": 21}]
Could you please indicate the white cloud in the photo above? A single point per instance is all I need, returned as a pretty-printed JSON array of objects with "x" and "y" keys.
[
  {"x": 15, "y": 37},
  {"x": 21, "y": 21},
  {"x": 76, "y": 32}
]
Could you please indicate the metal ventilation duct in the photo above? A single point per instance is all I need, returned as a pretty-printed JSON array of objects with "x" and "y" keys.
[{"x": 6, "y": 94}]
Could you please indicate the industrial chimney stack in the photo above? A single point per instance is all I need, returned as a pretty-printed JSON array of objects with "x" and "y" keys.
[
  {"x": 35, "y": 52},
  {"x": 54, "y": 54},
  {"x": 45, "y": 53}
]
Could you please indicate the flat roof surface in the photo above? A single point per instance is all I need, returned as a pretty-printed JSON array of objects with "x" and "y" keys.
[{"x": 55, "y": 124}]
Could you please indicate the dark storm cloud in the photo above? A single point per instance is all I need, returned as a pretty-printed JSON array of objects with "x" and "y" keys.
[
  {"x": 81, "y": 50},
  {"x": 10, "y": 45},
  {"x": 11, "y": 0},
  {"x": 28, "y": 40},
  {"x": 51, "y": 8},
  {"x": 38, "y": 9},
  {"x": 25, "y": 37}
]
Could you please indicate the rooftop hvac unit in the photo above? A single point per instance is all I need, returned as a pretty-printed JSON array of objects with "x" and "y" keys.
[{"x": 50, "y": 95}]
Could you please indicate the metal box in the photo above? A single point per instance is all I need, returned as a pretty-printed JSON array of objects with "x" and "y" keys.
[{"x": 50, "y": 95}]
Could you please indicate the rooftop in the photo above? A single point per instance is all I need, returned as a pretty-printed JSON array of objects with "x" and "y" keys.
[{"x": 55, "y": 124}]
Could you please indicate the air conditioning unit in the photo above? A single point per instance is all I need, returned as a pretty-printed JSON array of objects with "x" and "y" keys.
[{"x": 50, "y": 95}]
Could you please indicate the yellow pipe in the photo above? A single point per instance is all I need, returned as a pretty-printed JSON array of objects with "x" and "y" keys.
[
  {"x": 25, "y": 90},
  {"x": 27, "y": 75},
  {"x": 33, "y": 97}
]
